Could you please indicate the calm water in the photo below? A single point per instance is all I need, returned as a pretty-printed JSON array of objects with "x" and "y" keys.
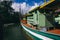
[{"x": 13, "y": 32}]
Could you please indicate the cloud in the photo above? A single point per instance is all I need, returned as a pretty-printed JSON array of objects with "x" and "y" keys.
[
  {"x": 16, "y": 6},
  {"x": 24, "y": 7},
  {"x": 34, "y": 6}
]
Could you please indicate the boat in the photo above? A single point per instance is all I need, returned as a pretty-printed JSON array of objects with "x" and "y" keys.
[{"x": 43, "y": 22}]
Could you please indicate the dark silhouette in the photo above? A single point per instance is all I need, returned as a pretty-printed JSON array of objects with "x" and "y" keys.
[{"x": 7, "y": 16}]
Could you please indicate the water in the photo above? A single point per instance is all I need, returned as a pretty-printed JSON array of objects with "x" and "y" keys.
[{"x": 13, "y": 32}]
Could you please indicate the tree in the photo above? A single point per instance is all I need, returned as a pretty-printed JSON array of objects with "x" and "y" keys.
[{"x": 6, "y": 10}]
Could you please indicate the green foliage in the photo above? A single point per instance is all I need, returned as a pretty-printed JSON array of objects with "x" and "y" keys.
[{"x": 7, "y": 12}]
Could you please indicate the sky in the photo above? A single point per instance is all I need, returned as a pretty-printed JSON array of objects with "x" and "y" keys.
[{"x": 26, "y": 5}]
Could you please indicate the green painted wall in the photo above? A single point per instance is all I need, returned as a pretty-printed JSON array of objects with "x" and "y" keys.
[
  {"x": 48, "y": 24},
  {"x": 24, "y": 18},
  {"x": 34, "y": 18},
  {"x": 30, "y": 19},
  {"x": 41, "y": 20},
  {"x": 58, "y": 19}
]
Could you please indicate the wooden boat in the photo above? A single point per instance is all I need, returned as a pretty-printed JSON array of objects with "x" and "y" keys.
[{"x": 43, "y": 22}]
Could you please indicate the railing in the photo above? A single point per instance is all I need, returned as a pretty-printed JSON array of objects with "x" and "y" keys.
[{"x": 39, "y": 35}]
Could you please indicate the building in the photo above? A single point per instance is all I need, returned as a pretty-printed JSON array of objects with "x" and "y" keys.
[{"x": 44, "y": 16}]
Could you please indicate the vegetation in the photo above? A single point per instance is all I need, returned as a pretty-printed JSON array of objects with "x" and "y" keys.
[{"x": 7, "y": 14}]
